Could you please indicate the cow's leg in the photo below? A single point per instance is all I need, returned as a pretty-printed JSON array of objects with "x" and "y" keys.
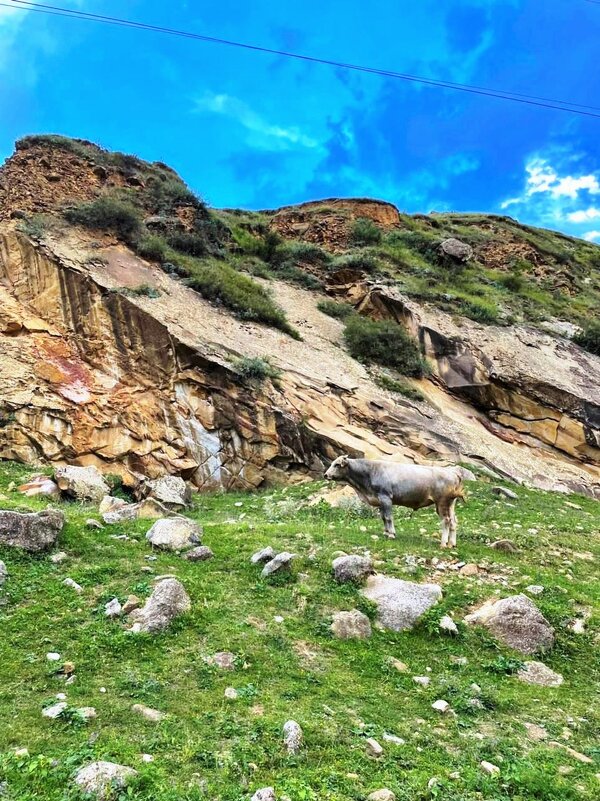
[
  {"x": 443, "y": 511},
  {"x": 453, "y": 524},
  {"x": 387, "y": 515}
]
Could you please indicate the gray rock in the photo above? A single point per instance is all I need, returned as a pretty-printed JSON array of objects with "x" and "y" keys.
[
  {"x": 59, "y": 557},
  {"x": 505, "y": 546},
  {"x": 457, "y": 250},
  {"x": 351, "y": 568},
  {"x": 505, "y": 492},
  {"x": 534, "y": 589},
  {"x": 447, "y": 625},
  {"x": 168, "y": 601},
  {"x": 489, "y": 768},
  {"x": 200, "y": 554},
  {"x": 110, "y": 504},
  {"x": 264, "y": 555},
  {"x": 87, "y": 712},
  {"x": 104, "y": 779},
  {"x": 33, "y": 532},
  {"x": 374, "y": 749},
  {"x": 224, "y": 660},
  {"x": 282, "y": 561},
  {"x": 353, "y": 625},
  {"x": 153, "y": 715},
  {"x": 69, "y": 582},
  {"x": 83, "y": 483},
  {"x": 148, "y": 509},
  {"x": 400, "y": 603},
  {"x": 174, "y": 534},
  {"x": 381, "y": 795},
  {"x": 113, "y": 608},
  {"x": 91, "y": 523},
  {"x": 172, "y": 491},
  {"x": 54, "y": 711},
  {"x": 538, "y": 673},
  {"x": 40, "y": 485},
  {"x": 515, "y": 621},
  {"x": 264, "y": 794},
  {"x": 292, "y": 736},
  {"x": 3, "y": 573}
]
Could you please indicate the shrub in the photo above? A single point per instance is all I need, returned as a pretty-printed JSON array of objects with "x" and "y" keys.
[
  {"x": 152, "y": 248},
  {"x": 107, "y": 213},
  {"x": 383, "y": 342},
  {"x": 34, "y": 226},
  {"x": 166, "y": 192},
  {"x": 256, "y": 369},
  {"x": 333, "y": 309},
  {"x": 589, "y": 338},
  {"x": 480, "y": 312},
  {"x": 401, "y": 387},
  {"x": 361, "y": 261},
  {"x": 513, "y": 281},
  {"x": 365, "y": 232},
  {"x": 194, "y": 244},
  {"x": 143, "y": 290},
  {"x": 289, "y": 272},
  {"x": 306, "y": 252}
]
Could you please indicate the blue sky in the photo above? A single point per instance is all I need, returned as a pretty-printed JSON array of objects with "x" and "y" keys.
[{"x": 258, "y": 131}]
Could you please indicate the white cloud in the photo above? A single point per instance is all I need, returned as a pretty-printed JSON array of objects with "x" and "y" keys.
[
  {"x": 583, "y": 215},
  {"x": 542, "y": 177},
  {"x": 592, "y": 236},
  {"x": 267, "y": 135}
]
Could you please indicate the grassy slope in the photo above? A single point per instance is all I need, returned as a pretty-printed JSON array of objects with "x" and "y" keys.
[{"x": 345, "y": 692}]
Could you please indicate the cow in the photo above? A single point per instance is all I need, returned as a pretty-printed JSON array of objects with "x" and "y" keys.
[{"x": 385, "y": 484}]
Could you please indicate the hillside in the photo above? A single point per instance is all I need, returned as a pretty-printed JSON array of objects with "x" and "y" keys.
[
  {"x": 144, "y": 332},
  {"x": 219, "y": 732}
]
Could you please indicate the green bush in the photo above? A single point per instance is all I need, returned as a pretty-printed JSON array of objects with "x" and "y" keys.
[
  {"x": 152, "y": 247},
  {"x": 107, "y": 213},
  {"x": 167, "y": 191},
  {"x": 484, "y": 313},
  {"x": 306, "y": 252},
  {"x": 34, "y": 226},
  {"x": 401, "y": 387},
  {"x": 361, "y": 261},
  {"x": 365, "y": 232},
  {"x": 256, "y": 369},
  {"x": 334, "y": 309},
  {"x": 513, "y": 281},
  {"x": 143, "y": 290},
  {"x": 589, "y": 338},
  {"x": 383, "y": 342},
  {"x": 194, "y": 244}
]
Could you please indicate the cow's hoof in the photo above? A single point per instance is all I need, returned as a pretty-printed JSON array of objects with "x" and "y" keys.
[{"x": 391, "y": 536}]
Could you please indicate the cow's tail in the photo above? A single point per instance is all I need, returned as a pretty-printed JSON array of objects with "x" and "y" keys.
[{"x": 459, "y": 489}]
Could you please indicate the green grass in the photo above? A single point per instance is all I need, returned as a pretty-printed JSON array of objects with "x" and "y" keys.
[
  {"x": 340, "y": 311},
  {"x": 341, "y": 692},
  {"x": 383, "y": 342}
]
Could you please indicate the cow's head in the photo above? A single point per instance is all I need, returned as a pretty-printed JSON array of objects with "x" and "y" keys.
[{"x": 338, "y": 469}]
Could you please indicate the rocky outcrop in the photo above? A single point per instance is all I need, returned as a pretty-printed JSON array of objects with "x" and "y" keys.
[{"x": 33, "y": 532}]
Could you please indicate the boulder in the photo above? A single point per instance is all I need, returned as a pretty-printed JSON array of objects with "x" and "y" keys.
[
  {"x": 168, "y": 600},
  {"x": 538, "y": 673},
  {"x": 264, "y": 794},
  {"x": 104, "y": 779},
  {"x": 153, "y": 715},
  {"x": 54, "y": 711},
  {"x": 33, "y": 532},
  {"x": 351, "y": 568},
  {"x": 40, "y": 486},
  {"x": 199, "y": 554},
  {"x": 447, "y": 625},
  {"x": 400, "y": 603},
  {"x": 174, "y": 534},
  {"x": 110, "y": 504},
  {"x": 292, "y": 736},
  {"x": 113, "y": 608},
  {"x": 457, "y": 250},
  {"x": 262, "y": 556},
  {"x": 515, "y": 621},
  {"x": 282, "y": 561},
  {"x": 148, "y": 509},
  {"x": 172, "y": 491},
  {"x": 505, "y": 493},
  {"x": 504, "y": 546},
  {"x": 353, "y": 625},
  {"x": 373, "y": 748},
  {"x": 83, "y": 483}
]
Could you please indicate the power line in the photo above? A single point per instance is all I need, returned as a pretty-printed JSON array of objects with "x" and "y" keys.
[{"x": 543, "y": 102}]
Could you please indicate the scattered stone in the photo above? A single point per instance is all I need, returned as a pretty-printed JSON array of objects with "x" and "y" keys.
[
  {"x": 382, "y": 795},
  {"x": 392, "y": 738},
  {"x": 571, "y": 752},
  {"x": 53, "y": 656},
  {"x": 441, "y": 706},
  {"x": 461, "y": 661},
  {"x": 111, "y": 504},
  {"x": 91, "y": 523},
  {"x": 400, "y": 603},
  {"x": 516, "y": 621},
  {"x": 351, "y": 625},
  {"x": 457, "y": 250},
  {"x": 489, "y": 768},
  {"x": 200, "y": 554},
  {"x": 59, "y": 557},
  {"x": 400, "y": 666},
  {"x": 447, "y": 625},
  {"x": 506, "y": 493},
  {"x": 69, "y": 582},
  {"x": 534, "y": 589},
  {"x": 224, "y": 660},
  {"x": 113, "y": 608},
  {"x": 351, "y": 568},
  {"x": 424, "y": 681},
  {"x": 292, "y": 736},
  {"x": 39, "y": 486},
  {"x": 32, "y": 531},
  {"x": 231, "y": 693},
  {"x": 264, "y": 794},
  {"x": 535, "y": 732},
  {"x": 3, "y": 573},
  {"x": 577, "y": 626},
  {"x": 132, "y": 602},
  {"x": 103, "y": 779},
  {"x": 153, "y": 715},
  {"x": 282, "y": 561},
  {"x": 54, "y": 711},
  {"x": 174, "y": 533},
  {"x": 172, "y": 491},
  {"x": 475, "y": 688},
  {"x": 469, "y": 569},
  {"x": 147, "y": 758},
  {"x": 83, "y": 483},
  {"x": 168, "y": 600},
  {"x": 264, "y": 555},
  {"x": 87, "y": 712},
  {"x": 374, "y": 749},
  {"x": 505, "y": 546},
  {"x": 538, "y": 673},
  {"x": 148, "y": 509}
]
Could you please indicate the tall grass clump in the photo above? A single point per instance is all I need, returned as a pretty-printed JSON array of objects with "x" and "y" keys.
[
  {"x": 384, "y": 342},
  {"x": 107, "y": 213},
  {"x": 589, "y": 338}
]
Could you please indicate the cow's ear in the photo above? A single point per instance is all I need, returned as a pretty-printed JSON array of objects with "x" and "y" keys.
[{"x": 344, "y": 460}]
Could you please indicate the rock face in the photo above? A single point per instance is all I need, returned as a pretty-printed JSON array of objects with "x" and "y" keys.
[
  {"x": 104, "y": 779},
  {"x": 351, "y": 568},
  {"x": 83, "y": 483},
  {"x": 353, "y": 625},
  {"x": 168, "y": 601},
  {"x": 400, "y": 603},
  {"x": 33, "y": 531},
  {"x": 515, "y": 621},
  {"x": 174, "y": 534}
]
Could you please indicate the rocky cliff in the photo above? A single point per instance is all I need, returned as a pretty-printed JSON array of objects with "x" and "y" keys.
[{"x": 113, "y": 358}]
